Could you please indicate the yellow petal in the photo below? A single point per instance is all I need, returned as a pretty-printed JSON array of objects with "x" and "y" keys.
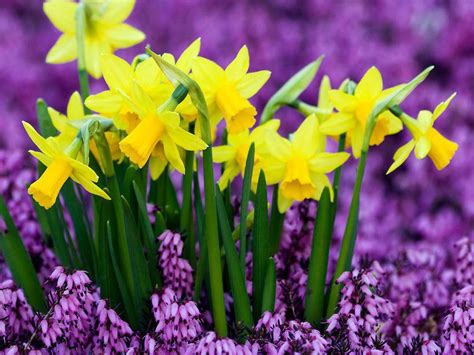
[
  {"x": 422, "y": 147},
  {"x": 320, "y": 181},
  {"x": 39, "y": 141},
  {"x": 75, "y": 109},
  {"x": 106, "y": 102},
  {"x": 172, "y": 154},
  {"x": 223, "y": 153},
  {"x": 424, "y": 121},
  {"x": 186, "y": 59},
  {"x": 147, "y": 74},
  {"x": 117, "y": 11},
  {"x": 323, "y": 96},
  {"x": 83, "y": 170},
  {"x": 239, "y": 66},
  {"x": 386, "y": 124},
  {"x": 157, "y": 166},
  {"x": 251, "y": 83},
  {"x": 207, "y": 73},
  {"x": 442, "y": 107},
  {"x": 58, "y": 120},
  {"x": 142, "y": 100},
  {"x": 326, "y": 162},
  {"x": 342, "y": 101},
  {"x": 94, "y": 49},
  {"x": 401, "y": 155},
  {"x": 89, "y": 186},
  {"x": 171, "y": 119},
  {"x": 62, "y": 15},
  {"x": 306, "y": 136},
  {"x": 63, "y": 51},
  {"x": 43, "y": 158},
  {"x": 337, "y": 123},
  {"x": 186, "y": 140},
  {"x": 117, "y": 72},
  {"x": 124, "y": 36},
  {"x": 230, "y": 172},
  {"x": 370, "y": 86},
  {"x": 283, "y": 202},
  {"x": 357, "y": 137},
  {"x": 442, "y": 149}
]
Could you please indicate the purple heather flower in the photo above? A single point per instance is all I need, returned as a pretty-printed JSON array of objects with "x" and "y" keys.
[
  {"x": 464, "y": 262},
  {"x": 458, "y": 329},
  {"x": 361, "y": 311},
  {"x": 177, "y": 273},
  {"x": 212, "y": 344}
]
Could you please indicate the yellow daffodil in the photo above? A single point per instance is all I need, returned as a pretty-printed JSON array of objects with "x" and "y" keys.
[
  {"x": 120, "y": 78},
  {"x": 104, "y": 33},
  {"x": 61, "y": 165},
  {"x": 227, "y": 91},
  {"x": 427, "y": 141},
  {"x": 354, "y": 110},
  {"x": 234, "y": 154},
  {"x": 297, "y": 166},
  {"x": 158, "y": 133}
]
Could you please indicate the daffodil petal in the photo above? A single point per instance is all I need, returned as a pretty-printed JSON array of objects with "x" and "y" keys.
[
  {"x": 39, "y": 141},
  {"x": 62, "y": 15},
  {"x": 337, "y": 123},
  {"x": 356, "y": 140},
  {"x": 172, "y": 154},
  {"x": 81, "y": 169},
  {"x": 117, "y": 72},
  {"x": 43, "y": 158},
  {"x": 58, "y": 120},
  {"x": 143, "y": 100},
  {"x": 186, "y": 140},
  {"x": 424, "y": 120},
  {"x": 401, "y": 155},
  {"x": 370, "y": 86},
  {"x": 223, "y": 153},
  {"x": 63, "y": 51},
  {"x": 326, "y": 162},
  {"x": 323, "y": 95},
  {"x": 230, "y": 172},
  {"x": 147, "y": 74},
  {"x": 442, "y": 149},
  {"x": 239, "y": 66},
  {"x": 117, "y": 11},
  {"x": 157, "y": 166},
  {"x": 342, "y": 101},
  {"x": 94, "y": 50},
  {"x": 171, "y": 119},
  {"x": 306, "y": 136},
  {"x": 422, "y": 147},
  {"x": 124, "y": 36},
  {"x": 75, "y": 109},
  {"x": 442, "y": 107},
  {"x": 186, "y": 59},
  {"x": 283, "y": 202},
  {"x": 251, "y": 83},
  {"x": 89, "y": 186},
  {"x": 107, "y": 102},
  {"x": 207, "y": 73}
]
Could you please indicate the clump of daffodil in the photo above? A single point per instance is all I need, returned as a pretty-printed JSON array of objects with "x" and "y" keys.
[
  {"x": 61, "y": 165},
  {"x": 354, "y": 110},
  {"x": 426, "y": 141},
  {"x": 298, "y": 166},
  {"x": 234, "y": 154},
  {"x": 69, "y": 125},
  {"x": 158, "y": 134},
  {"x": 227, "y": 91},
  {"x": 104, "y": 30},
  {"x": 120, "y": 77}
]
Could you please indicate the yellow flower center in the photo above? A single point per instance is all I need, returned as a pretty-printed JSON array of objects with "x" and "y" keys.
[
  {"x": 297, "y": 184},
  {"x": 139, "y": 144},
  {"x": 237, "y": 111},
  {"x": 130, "y": 119},
  {"x": 46, "y": 189},
  {"x": 363, "y": 111}
]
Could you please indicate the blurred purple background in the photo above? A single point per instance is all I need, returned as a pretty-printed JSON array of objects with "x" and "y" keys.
[{"x": 401, "y": 37}]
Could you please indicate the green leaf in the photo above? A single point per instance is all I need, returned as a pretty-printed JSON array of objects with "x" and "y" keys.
[
  {"x": 246, "y": 185},
  {"x": 45, "y": 124},
  {"x": 291, "y": 90},
  {"x": 276, "y": 223},
  {"x": 149, "y": 237},
  {"x": 202, "y": 262},
  {"x": 318, "y": 262},
  {"x": 260, "y": 245},
  {"x": 186, "y": 221},
  {"x": 243, "y": 313},
  {"x": 19, "y": 261},
  {"x": 269, "y": 292}
]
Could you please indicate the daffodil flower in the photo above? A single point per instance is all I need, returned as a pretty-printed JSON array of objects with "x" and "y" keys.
[
  {"x": 354, "y": 110},
  {"x": 104, "y": 33},
  {"x": 68, "y": 126},
  {"x": 120, "y": 78},
  {"x": 157, "y": 134},
  {"x": 227, "y": 91},
  {"x": 427, "y": 141},
  {"x": 61, "y": 165},
  {"x": 234, "y": 154},
  {"x": 297, "y": 165}
]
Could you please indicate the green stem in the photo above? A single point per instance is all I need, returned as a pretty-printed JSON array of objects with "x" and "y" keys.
[
  {"x": 348, "y": 242},
  {"x": 81, "y": 51},
  {"x": 307, "y": 109},
  {"x": 112, "y": 184},
  {"x": 186, "y": 221}
]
